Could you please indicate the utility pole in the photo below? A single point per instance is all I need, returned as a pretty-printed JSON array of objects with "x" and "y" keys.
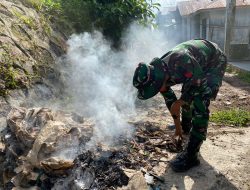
[{"x": 230, "y": 19}]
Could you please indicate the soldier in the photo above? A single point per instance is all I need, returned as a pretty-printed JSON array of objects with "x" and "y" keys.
[{"x": 200, "y": 66}]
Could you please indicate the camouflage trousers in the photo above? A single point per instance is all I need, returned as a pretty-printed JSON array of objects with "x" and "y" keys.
[{"x": 197, "y": 112}]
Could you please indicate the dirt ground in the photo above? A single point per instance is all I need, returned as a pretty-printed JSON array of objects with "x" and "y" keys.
[
  {"x": 225, "y": 162},
  {"x": 224, "y": 156}
]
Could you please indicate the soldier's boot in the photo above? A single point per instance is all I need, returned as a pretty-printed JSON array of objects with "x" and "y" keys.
[
  {"x": 189, "y": 157},
  {"x": 186, "y": 124}
]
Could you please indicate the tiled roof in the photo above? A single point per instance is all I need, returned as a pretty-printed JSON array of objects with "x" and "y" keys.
[
  {"x": 217, "y": 4},
  {"x": 189, "y": 7},
  {"x": 222, "y": 3}
]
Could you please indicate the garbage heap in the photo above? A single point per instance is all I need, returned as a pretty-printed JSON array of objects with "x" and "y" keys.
[
  {"x": 39, "y": 149},
  {"x": 45, "y": 149}
]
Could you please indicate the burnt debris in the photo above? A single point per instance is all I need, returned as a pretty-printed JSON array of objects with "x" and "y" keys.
[
  {"x": 55, "y": 156},
  {"x": 100, "y": 170}
]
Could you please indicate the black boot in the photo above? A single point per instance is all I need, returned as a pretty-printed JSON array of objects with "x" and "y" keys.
[
  {"x": 189, "y": 157},
  {"x": 186, "y": 124}
]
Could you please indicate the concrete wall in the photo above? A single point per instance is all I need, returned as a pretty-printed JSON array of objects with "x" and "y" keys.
[
  {"x": 216, "y": 26},
  {"x": 184, "y": 35},
  {"x": 217, "y": 21},
  {"x": 190, "y": 27},
  {"x": 242, "y": 27},
  {"x": 240, "y": 44},
  {"x": 215, "y": 31},
  {"x": 206, "y": 17},
  {"x": 195, "y": 26}
]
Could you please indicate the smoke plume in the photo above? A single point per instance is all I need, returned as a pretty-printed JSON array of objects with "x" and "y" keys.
[{"x": 100, "y": 81}]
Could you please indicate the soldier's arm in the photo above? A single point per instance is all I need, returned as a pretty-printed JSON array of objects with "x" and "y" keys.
[
  {"x": 174, "y": 109},
  {"x": 169, "y": 97}
]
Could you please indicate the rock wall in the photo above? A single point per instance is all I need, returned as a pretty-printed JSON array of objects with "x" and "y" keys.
[{"x": 29, "y": 48}]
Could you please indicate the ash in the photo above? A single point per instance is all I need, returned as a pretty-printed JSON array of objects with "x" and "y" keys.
[{"x": 102, "y": 170}]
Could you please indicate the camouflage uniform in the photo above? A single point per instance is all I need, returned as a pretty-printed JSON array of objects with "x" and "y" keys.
[{"x": 200, "y": 66}]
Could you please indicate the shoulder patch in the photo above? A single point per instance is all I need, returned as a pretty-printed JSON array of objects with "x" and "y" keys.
[{"x": 188, "y": 74}]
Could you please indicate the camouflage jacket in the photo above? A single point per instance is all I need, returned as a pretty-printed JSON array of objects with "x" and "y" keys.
[{"x": 190, "y": 63}]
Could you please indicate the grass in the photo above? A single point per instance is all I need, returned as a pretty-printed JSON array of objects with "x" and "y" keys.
[
  {"x": 236, "y": 117},
  {"x": 243, "y": 75}
]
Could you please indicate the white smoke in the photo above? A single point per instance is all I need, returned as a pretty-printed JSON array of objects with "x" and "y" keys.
[{"x": 101, "y": 79}]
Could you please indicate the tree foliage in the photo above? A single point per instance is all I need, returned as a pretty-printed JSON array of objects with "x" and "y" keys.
[{"x": 109, "y": 16}]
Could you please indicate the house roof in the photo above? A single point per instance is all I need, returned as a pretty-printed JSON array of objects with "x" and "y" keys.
[
  {"x": 222, "y": 4},
  {"x": 217, "y": 4},
  {"x": 189, "y": 7}
]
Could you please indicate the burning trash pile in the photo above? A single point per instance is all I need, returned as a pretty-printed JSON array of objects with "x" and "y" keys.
[
  {"x": 44, "y": 149},
  {"x": 39, "y": 142}
]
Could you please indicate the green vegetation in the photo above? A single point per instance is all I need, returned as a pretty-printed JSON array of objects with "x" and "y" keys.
[
  {"x": 235, "y": 117},
  {"x": 45, "y": 25},
  {"x": 229, "y": 69},
  {"x": 46, "y": 6},
  {"x": 8, "y": 75},
  {"x": 11, "y": 76},
  {"x": 49, "y": 9},
  {"x": 30, "y": 22},
  {"x": 243, "y": 75},
  {"x": 112, "y": 17}
]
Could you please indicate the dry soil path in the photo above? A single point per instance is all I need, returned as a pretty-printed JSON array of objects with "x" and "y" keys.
[{"x": 225, "y": 155}]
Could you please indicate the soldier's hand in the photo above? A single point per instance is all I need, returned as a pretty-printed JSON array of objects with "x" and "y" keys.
[
  {"x": 178, "y": 142},
  {"x": 177, "y": 136}
]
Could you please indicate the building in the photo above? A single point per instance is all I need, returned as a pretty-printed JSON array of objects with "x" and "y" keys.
[{"x": 206, "y": 19}]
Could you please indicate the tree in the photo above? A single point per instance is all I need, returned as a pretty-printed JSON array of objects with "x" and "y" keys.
[{"x": 109, "y": 16}]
